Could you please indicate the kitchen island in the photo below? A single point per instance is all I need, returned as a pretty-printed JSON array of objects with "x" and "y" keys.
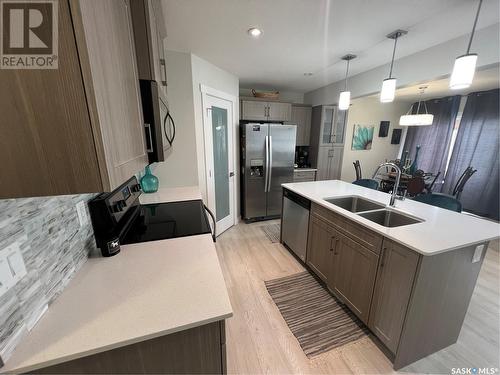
[
  {"x": 408, "y": 272},
  {"x": 156, "y": 307}
]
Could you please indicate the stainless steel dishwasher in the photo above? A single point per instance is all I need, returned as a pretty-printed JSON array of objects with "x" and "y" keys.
[{"x": 295, "y": 222}]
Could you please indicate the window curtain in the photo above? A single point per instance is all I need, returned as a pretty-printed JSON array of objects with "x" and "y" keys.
[
  {"x": 434, "y": 139},
  {"x": 477, "y": 145}
]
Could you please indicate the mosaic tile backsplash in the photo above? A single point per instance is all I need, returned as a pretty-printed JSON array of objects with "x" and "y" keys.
[{"x": 54, "y": 246}]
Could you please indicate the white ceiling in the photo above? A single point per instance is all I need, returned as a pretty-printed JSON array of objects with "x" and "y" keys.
[
  {"x": 311, "y": 35},
  {"x": 483, "y": 80}
]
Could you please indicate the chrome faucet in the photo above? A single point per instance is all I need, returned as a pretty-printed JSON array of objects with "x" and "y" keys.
[{"x": 396, "y": 183}]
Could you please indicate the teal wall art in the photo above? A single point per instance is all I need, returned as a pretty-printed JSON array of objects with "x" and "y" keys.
[{"x": 362, "y": 137}]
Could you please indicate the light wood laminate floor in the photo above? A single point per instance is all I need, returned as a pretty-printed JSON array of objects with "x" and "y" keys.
[{"x": 259, "y": 341}]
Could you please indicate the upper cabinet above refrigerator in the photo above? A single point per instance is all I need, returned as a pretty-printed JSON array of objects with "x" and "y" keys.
[
  {"x": 258, "y": 110},
  {"x": 149, "y": 35}
]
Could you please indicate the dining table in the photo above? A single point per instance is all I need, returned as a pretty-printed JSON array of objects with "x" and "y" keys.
[{"x": 388, "y": 179}]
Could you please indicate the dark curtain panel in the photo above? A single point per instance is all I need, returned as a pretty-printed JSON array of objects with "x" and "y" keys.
[
  {"x": 477, "y": 145},
  {"x": 434, "y": 139}
]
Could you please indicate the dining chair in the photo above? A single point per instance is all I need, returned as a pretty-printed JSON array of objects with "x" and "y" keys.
[
  {"x": 459, "y": 186},
  {"x": 430, "y": 186},
  {"x": 357, "y": 168},
  {"x": 440, "y": 200},
  {"x": 367, "y": 183}
]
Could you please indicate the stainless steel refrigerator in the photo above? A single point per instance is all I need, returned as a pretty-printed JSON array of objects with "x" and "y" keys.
[{"x": 267, "y": 161}]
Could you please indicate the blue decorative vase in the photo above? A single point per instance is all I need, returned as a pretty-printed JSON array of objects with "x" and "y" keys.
[
  {"x": 414, "y": 167},
  {"x": 149, "y": 182}
]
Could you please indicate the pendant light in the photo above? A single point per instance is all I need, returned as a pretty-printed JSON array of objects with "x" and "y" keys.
[
  {"x": 389, "y": 84},
  {"x": 465, "y": 65},
  {"x": 345, "y": 96},
  {"x": 417, "y": 119}
]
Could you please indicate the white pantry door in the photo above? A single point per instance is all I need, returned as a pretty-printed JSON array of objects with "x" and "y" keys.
[{"x": 219, "y": 152}]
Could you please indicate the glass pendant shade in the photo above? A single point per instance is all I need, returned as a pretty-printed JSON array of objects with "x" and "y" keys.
[
  {"x": 416, "y": 120},
  {"x": 344, "y": 100},
  {"x": 388, "y": 90},
  {"x": 463, "y": 71}
]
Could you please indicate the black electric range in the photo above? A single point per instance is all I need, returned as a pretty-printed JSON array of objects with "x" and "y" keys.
[{"x": 118, "y": 218}]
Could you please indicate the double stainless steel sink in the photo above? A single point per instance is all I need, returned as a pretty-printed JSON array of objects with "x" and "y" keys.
[{"x": 373, "y": 211}]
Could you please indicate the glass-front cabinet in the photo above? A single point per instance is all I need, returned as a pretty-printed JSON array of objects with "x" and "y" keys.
[{"x": 332, "y": 125}]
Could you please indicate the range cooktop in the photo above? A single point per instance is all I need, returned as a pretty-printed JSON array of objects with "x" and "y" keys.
[{"x": 168, "y": 220}]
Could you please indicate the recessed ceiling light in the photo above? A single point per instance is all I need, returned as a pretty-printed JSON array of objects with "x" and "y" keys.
[
  {"x": 308, "y": 74},
  {"x": 254, "y": 32}
]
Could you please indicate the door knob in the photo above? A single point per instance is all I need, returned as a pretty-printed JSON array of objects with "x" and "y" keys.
[{"x": 231, "y": 174}]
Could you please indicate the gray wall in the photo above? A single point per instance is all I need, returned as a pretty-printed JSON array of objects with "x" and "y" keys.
[
  {"x": 54, "y": 247},
  {"x": 369, "y": 111}
]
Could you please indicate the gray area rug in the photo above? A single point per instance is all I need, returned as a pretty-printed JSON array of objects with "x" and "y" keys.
[
  {"x": 272, "y": 232},
  {"x": 314, "y": 316}
]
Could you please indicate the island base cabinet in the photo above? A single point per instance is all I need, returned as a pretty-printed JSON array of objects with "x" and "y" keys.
[
  {"x": 199, "y": 350},
  {"x": 320, "y": 247},
  {"x": 354, "y": 271},
  {"x": 441, "y": 294},
  {"x": 393, "y": 286}
]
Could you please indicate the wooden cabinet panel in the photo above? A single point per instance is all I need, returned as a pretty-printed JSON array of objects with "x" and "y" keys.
[
  {"x": 320, "y": 247},
  {"x": 333, "y": 218},
  {"x": 253, "y": 110},
  {"x": 109, "y": 40},
  {"x": 329, "y": 163},
  {"x": 147, "y": 20},
  {"x": 279, "y": 111},
  {"x": 366, "y": 237},
  {"x": 301, "y": 116},
  {"x": 354, "y": 273},
  {"x": 46, "y": 142},
  {"x": 304, "y": 176},
  {"x": 396, "y": 273},
  {"x": 323, "y": 164},
  {"x": 265, "y": 111},
  {"x": 199, "y": 350}
]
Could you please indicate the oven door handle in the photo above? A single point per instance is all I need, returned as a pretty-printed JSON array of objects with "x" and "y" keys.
[{"x": 213, "y": 220}]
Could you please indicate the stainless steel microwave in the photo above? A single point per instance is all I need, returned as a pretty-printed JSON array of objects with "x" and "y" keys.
[{"x": 159, "y": 125}]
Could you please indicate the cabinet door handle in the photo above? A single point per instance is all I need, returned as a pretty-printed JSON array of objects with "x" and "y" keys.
[
  {"x": 149, "y": 138},
  {"x": 337, "y": 240},
  {"x": 331, "y": 242},
  {"x": 164, "y": 71}
]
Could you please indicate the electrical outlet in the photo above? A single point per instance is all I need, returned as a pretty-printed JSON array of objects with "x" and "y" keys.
[
  {"x": 12, "y": 268},
  {"x": 16, "y": 264},
  {"x": 82, "y": 213},
  {"x": 478, "y": 252},
  {"x": 5, "y": 276}
]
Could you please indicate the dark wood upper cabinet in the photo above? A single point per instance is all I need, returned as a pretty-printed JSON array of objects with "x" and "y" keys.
[
  {"x": 397, "y": 269},
  {"x": 77, "y": 128},
  {"x": 321, "y": 240},
  {"x": 354, "y": 271},
  {"x": 149, "y": 32}
]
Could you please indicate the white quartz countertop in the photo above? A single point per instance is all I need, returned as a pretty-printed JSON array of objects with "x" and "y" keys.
[
  {"x": 442, "y": 230},
  {"x": 148, "y": 290}
]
